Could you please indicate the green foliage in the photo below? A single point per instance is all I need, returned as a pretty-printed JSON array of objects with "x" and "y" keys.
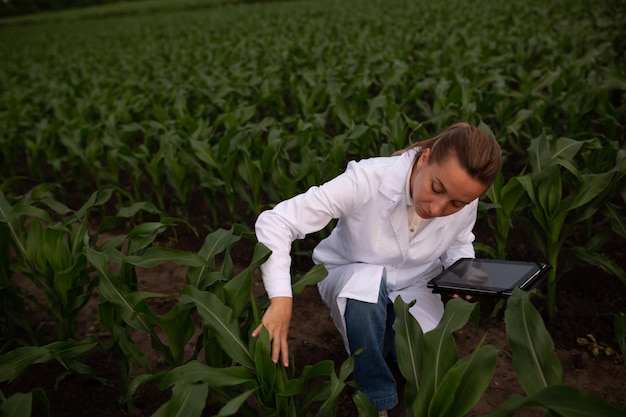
[
  {"x": 539, "y": 371},
  {"x": 20, "y": 404},
  {"x": 437, "y": 382},
  {"x": 50, "y": 253},
  {"x": 13, "y": 363},
  {"x": 567, "y": 185},
  {"x": 226, "y": 109}
]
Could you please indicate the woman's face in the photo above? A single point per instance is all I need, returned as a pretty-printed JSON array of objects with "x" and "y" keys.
[{"x": 442, "y": 189}]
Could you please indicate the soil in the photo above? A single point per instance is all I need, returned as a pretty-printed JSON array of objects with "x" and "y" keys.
[{"x": 581, "y": 311}]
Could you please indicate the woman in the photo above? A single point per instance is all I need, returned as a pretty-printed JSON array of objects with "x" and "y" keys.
[{"x": 400, "y": 220}]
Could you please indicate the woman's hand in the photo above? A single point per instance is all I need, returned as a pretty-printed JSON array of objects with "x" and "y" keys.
[{"x": 276, "y": 320}]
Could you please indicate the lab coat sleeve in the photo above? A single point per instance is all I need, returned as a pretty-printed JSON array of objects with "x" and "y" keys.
[
  {"x": 296, "y": 217},
  {"x": 462, "y": 246}
]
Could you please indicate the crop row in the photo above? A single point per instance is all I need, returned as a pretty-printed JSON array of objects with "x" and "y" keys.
[
  {"x": 219, "y": 114},
  {"x": 215, "y": 311},
  {"x": 210, "y": 116}
]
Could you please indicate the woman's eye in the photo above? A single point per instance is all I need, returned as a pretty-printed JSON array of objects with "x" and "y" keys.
[{"x": 436, "y": 189}]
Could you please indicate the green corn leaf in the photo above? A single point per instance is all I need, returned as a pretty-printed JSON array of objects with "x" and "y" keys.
[
  {"x": 566, "y": 148},
  {"x": 617, "y": 219},
  {"x": 549, "y": 189},
  {"x": 5, "y": 208},
  {"x": 464, "y": 384},
  {"x": 511, "y": 194},
  {"x": 20, "y": 404},
  {"x": 194, "y": 372},
  {"x": 19, "y": 210},
  {"x": 312, "y": 277},
  {"x": 219, "y": 318},
  {"x": 131, "y": 211},
  {"x": 188, "y": 400},
  {"x": 56, "y": 249},
  {"x": 440, "y": 349},
  {"x": 559, "y": 400},
  {"x": 538, "y": 153},
  {"x": 228, "y": 266},
  {"x": 342, "y": 111},
  {"x": 13, "y": 363},
  {"x": 115, "y": 293},
  {"x": 233, "y": 406},
  {"x": 591, "y": 186},
  {"x": 510, "y": 407},
  {"x": 179, "y": 328},
  {"x": 321, "y": 369},
  {"x": 571, "y": 402},
  {"x": 156, "y": 255},
  {"x": 364, "y": 405},
  {"x": 409, "y": 346},
  {"x": 98, "y": 198},
  {"x": 237, "y": 291},
  {"x": 267, "y": 370},
  {"x": 597, "y": 259},
  {"x": 142, "y": 235},
  {"x": 214, "y": 244},
  {"x": 531, "y": 345}
]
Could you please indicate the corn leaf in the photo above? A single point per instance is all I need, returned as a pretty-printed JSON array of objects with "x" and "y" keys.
[
  {"x": 195, "y": 371},
  {"x": 13, "y": 363},
  {"x": 214, "y": 244},
  {"x": 219, "y": 318},
  {"x": 531, "y": 345},
  {"x": 188, "y": 400},
  {"x": 559, "y": 400},
  {"x": 20, "y": 404},
  {"x": 464, "y": 384},
  {"x": 156, "y": 255}
]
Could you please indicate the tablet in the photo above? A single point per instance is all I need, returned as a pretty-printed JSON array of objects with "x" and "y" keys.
[{"x": 489, "y": 277}]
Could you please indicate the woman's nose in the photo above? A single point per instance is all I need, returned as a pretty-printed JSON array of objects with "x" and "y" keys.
[{"x": 437, "y": 207}]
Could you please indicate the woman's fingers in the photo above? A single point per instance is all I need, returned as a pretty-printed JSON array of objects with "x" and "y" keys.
[{"x": 276, "y": 320}]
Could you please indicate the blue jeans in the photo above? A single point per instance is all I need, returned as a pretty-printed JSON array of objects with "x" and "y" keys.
[{"x": 369, "y": 326}]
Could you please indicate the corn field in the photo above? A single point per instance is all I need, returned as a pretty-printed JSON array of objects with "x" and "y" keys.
[{"x": 117, "y": 130}]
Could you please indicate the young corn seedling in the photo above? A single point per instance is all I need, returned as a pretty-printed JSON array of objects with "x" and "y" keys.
[
  {"x": 51, "y": 253},
  {"x": 551, "y": 213},
  {"x": 438, "y": 383}
]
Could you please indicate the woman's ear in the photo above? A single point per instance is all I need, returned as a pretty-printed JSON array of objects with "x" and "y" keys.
[{"x": 423, "y": 157}]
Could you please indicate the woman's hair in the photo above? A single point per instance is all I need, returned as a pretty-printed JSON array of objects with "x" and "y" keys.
[{"x": 478, "y": 153}]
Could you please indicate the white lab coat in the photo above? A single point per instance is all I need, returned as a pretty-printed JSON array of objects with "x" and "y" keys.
[{"x": 370, "y": 241}]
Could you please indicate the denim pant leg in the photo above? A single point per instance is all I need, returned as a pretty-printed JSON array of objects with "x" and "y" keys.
[{"x": 366, "y": 325}]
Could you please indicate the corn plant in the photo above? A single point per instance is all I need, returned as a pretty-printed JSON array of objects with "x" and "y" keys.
[
  {"x": 507, "y": 200},
  {"x": 50, "y": 253},
  {"x": 236, "y": 366},
  {"x": 551, "y": 161},
  {"x": 14, "y": 325},
  {"x": 205, "y": 124},
  {"x": 438, "y": 383},
  {"x": 122, "y": 305},
  {"x": 539, "y": 371},
  {"x": 15, "y": 362}
]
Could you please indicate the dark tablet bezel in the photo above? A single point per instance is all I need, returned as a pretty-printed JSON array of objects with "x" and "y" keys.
[{"x": 527, "y": 282}]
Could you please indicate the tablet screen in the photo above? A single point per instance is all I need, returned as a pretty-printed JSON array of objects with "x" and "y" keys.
[{"x": 487, "y": 275}]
